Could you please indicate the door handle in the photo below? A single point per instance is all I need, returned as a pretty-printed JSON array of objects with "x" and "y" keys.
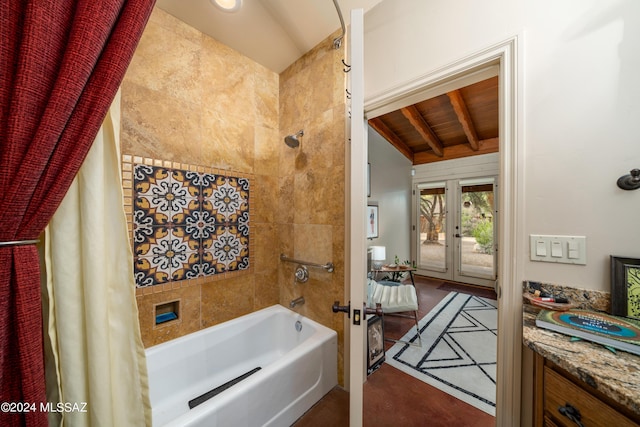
[
  {"x": 572, "y": 413},
  {"x": 336, "y": 307},
  {"x": 457, "y": 235},
  {"x": 377, "y": 311}
]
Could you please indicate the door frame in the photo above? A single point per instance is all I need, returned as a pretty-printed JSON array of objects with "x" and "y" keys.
[{"x": 510, "y": 186}]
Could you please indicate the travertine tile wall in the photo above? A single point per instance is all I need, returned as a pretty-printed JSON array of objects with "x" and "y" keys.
[
  {"x": 311, "y": 211},
  {"x": 187, "y": 98}
]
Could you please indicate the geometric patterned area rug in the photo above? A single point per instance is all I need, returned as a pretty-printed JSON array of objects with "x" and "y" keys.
[{"x": 458, "y": 353}]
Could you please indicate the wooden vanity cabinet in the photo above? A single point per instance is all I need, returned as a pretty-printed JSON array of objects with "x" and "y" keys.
[{"x": 559, "y": 397}]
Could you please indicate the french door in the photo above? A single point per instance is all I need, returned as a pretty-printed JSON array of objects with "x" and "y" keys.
[{"x": 456, "y": 231}]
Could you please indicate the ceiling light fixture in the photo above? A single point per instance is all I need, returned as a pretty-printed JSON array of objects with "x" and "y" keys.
[{"x": 227, "y": 5}]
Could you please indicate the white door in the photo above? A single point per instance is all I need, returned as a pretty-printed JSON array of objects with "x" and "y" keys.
[
  {"x": 456, "y": 233},
  {"x": 476, "y": 230},
  {"x": 358, "y": 203}
]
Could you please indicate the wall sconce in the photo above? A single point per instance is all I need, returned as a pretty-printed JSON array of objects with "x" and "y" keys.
[{"x": 631, "y": 181}]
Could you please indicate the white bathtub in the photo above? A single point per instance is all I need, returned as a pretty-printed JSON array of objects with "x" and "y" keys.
[{"x": 297, "y": 369}]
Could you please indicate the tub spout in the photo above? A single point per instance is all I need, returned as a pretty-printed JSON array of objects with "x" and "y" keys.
[{"x": 297, "y": 301}]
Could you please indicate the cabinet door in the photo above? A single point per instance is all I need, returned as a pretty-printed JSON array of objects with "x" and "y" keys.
[
  {"x": 548, "y": 422},
  {"x": 559, "y": 391}
]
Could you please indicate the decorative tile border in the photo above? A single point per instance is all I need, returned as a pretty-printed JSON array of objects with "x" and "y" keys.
[{"x": 186, "y": 222}]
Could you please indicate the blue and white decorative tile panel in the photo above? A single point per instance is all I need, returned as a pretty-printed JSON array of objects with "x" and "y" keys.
[{"x": 188, "y": 224}]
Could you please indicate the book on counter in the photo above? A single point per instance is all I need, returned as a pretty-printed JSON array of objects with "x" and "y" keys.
[{"x": 617, "y": 332}]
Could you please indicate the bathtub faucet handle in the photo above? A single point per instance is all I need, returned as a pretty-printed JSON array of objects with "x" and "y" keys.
[{"x": 336, "y": 307}]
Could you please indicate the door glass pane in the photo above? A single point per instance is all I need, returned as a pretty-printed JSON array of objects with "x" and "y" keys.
[
  {"x": 476, "y": 229},
  {"x": 433, "y": 218}
]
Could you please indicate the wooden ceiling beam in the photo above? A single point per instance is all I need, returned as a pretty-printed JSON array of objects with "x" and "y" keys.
[
  {"x": 417, "y": 121},
  {"x": 485, "y": 146},
  {"x": 461, "y": 110},
  {"x": 378, "y": 125}
]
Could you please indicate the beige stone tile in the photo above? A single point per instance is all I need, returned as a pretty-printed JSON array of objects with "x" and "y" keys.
[
  {"x": 339, "y": 136},
  {"x": 265, "y": 203},
  {"x": 267, "y": 289},
  {"x": 174, "y": 25},
  {"x": 290, "y": 291},
  {"x": 227, "y": 81},
  {"x": 266, "y": 253},
  {"x": 321, "y": 82},
  {"x": 156, "y": 126},
  {"x": 336, "y": 190},
  {"x": 267, "y": 97},
  {"x": 295, "y": 104},
  {"x": 338, "y": 253},
  {"x": 318, "y": 146},
  {"x": 313, "y": 242},
  {"x": 288, "y": 157},
  {"x": 339, "y": 77},
  {"x": 189, "y": 315},
  {"x": 318, "y": 301},
  {"x": 286, "y": 208},
  {"x": 167, "y": 61},
  {"x": 227, "y": 144},
  {"x": 338, "y": 326},
  {"x": 227, "y": 299},
  {"x": 267, "y": 149},
  {"x": 286, "y": 241},
  {"x": 312, "y": 195}
]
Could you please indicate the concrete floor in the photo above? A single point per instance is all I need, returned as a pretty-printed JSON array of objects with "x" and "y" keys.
[{"x": 393, "y": 398}]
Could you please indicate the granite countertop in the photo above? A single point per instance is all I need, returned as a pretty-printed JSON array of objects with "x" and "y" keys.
[{"x": 616, "y": 375}]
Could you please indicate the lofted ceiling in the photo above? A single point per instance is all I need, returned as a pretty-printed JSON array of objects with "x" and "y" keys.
[{"x": 459, "y": 123}]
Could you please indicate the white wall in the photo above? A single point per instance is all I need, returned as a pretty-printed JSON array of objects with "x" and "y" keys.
[
  {"x": 579, "y": 122},
  {"x": 391, "y": 189}
]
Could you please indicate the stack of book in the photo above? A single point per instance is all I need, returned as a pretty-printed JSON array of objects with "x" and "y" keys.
[{"x": 612, "y": 331}]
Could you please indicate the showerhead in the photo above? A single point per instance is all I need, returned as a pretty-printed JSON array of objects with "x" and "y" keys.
[{"x": 292, "y": 140}]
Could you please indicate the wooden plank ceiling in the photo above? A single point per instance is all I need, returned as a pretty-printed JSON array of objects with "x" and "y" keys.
[{"x": 460, "y": 123}]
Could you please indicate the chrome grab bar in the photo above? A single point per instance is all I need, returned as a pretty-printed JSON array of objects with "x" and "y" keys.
[{"x": 328, "y": 266}]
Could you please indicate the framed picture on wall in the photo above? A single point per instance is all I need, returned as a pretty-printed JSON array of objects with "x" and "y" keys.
[
  {"x": 625, "y": 287},
  {"x": 372, "y": 221},
  {"x": 375, "y": 343}
]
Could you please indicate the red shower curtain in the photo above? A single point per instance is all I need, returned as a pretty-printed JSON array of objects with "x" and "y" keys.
[{"x": 61, "y": 63}]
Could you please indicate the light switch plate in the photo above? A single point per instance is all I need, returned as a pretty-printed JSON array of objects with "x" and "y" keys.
[{"x": 558, "y": 249}]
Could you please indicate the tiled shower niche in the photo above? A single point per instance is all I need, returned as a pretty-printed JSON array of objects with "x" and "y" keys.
[{"x": 187, "y": 224}]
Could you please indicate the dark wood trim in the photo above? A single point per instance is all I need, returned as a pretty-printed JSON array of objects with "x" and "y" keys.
[
  {"x": 458, "y": 151},
  {"x": 379, "y": 126},
  {"x": 412, "y": 114},
  {"x": 461, "y": 110}
]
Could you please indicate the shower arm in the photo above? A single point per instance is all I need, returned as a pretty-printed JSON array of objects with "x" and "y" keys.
[
  {"x": 337, "y": 42},
  {"x": 328, "y": 266}
]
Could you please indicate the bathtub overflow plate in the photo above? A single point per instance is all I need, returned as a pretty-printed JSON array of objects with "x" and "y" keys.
[{"x": 298, "y": 326}]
